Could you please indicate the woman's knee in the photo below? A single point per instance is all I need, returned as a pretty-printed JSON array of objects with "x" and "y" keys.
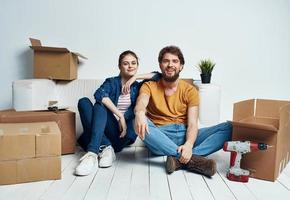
[
  {"x": 100, "y": 109},
  {"x": 84, "y": 102}
]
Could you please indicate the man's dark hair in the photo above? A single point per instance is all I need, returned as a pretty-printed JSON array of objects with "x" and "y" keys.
[{"x": 173, "y": 50}]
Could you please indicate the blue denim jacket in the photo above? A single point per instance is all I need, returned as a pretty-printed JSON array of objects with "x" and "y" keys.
[{"x": 112, "y": 88}]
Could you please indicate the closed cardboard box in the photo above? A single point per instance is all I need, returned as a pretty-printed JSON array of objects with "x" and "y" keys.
[
  {"x": 64, "y": 119},
  {"x": 29, "y": 140},
  {"x": 30, "y": 169},
  {"x": 267, "y": 121},
  {"x": 54, "y": 62},
  {"x": 29, "y": 152}
]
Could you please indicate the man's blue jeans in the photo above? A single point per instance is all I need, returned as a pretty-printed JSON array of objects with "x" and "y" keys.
[
  {"x": 102, "y": 128},
  {"x": 164, "y": 140}
]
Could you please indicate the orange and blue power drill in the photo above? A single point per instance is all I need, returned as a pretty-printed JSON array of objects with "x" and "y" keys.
[{"x": 237, "y": 149}]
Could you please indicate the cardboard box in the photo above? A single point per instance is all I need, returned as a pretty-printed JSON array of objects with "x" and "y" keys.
[
  {"x": 54, "y": 62},
  {"x": 64, "y": 119},
  {"x": 266, "y": 121},
  {"x": 30, "y": 169},
  {"x": 29, "y": 152},
  {"x": 29, "y": 140}
]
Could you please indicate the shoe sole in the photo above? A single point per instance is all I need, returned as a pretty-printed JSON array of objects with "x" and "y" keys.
[
  {"x": 85, "y": 173},
  {"x": 106, "y": 166},
  {"x": 170, "y": 165}
]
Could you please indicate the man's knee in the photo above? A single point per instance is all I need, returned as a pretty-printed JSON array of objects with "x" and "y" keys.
[{"x": 227, "y": 126}]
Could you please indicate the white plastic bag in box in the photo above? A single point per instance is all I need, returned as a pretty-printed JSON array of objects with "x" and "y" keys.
[
  {"x": 209, "y": 107},
  {"x": 32, "y": 94}
]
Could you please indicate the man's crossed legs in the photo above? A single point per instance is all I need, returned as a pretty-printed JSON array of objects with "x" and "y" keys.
[{"x": 165, "y": 140}]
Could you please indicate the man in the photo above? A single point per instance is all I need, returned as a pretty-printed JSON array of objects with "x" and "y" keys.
[{"x": 166, "y": 117}]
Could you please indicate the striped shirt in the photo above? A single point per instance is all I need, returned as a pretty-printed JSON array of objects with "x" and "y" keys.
[{"x": 124, "y": 103}]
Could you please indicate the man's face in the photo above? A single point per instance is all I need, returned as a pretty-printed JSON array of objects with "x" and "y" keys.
[{"x": 170, "y": 67}]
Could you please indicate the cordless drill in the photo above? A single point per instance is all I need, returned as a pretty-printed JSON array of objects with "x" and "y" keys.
[{"x": 237, "y": 148}]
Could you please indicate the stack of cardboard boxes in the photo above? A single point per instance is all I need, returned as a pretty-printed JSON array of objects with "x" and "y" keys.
[
  {"x": 31, "y": 142},
  {"x": 29, "y": 152}
]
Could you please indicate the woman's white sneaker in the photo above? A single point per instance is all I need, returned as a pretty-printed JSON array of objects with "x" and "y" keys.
[
  {"x": 107, "y": 157},
  {"x": 89, "y": 162}
]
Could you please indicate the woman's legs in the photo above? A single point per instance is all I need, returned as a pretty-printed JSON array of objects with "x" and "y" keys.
[
  {"x": 87, "y": 115},
  {"x": 102, "y": 128},
  {"x": 113, "y": 134}
]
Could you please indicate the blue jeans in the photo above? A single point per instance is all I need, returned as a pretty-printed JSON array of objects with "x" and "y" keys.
[
  {"x": 101, "y": 128},
  {"x": 164, "y": 140}
]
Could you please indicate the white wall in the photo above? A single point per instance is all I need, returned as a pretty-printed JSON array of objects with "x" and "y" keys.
[{"x": 248, "y": 39}]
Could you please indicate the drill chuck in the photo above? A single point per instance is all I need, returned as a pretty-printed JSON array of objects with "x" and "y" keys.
[{"x": 262, "y": 146}]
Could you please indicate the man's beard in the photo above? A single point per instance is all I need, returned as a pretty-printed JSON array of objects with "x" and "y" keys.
[{"x": 170, "y": 78}]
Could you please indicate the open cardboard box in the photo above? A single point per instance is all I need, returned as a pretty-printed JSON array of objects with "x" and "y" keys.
[
  {"x": 54, "y": 62},
  {"x": 266, "y": 121}
]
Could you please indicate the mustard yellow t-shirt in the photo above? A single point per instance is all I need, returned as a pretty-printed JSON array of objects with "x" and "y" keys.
[{"x": 162, "y": 109}]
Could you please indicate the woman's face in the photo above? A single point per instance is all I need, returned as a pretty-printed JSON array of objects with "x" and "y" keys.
[{"x": 128, "y": 66}]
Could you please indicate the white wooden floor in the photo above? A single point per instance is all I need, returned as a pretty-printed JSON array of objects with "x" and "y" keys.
[{"x": 137, "y": 175}]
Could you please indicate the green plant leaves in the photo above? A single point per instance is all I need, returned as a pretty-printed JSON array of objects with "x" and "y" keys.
[{"x": 205, "y": 66}]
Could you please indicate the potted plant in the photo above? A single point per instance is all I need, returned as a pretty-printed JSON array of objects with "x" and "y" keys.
[{"x": 205, "y": 68}]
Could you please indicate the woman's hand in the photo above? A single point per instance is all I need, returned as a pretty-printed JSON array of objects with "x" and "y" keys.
[
  {"x": 127, "y": 85},
  {"x": 122, "y": 126}
]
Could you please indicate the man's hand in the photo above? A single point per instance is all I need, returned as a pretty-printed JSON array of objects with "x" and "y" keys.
[
  {"x": 122, "y": 126},
  {"x": 141, "y": 126},
  {"x": 127, "y": 85},
  {"x": 186, "y": 153}
]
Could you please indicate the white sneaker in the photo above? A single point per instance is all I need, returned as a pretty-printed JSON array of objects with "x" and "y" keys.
[
  {"x": 88, "y": 163},
  {"x": 107, "y": 157}
]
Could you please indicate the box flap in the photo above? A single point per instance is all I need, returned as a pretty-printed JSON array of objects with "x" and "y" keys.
[
  {"x": 269, "y": 108},
  {"x": 243, "y": 109},
  {"x": 266, "y": 127},
  {"x": 50, "y": 49},
  {"x": 285, "y": 116},
  {"x": 35, "y": 42},
  {"x": 79, "y": 55}
]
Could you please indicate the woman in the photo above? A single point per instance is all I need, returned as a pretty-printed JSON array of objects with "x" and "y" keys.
[{"x": 108, "y": 124}]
